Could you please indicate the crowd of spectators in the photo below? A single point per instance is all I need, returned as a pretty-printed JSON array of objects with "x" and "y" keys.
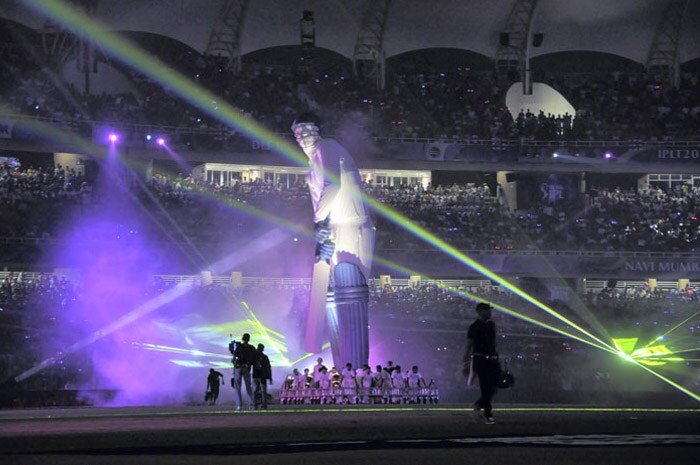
[
  {"x": 605, "y": 219},
  {"x": 41, "y": 202},
  {"x": 456, "y": 213},
  {"x": 31, "y": 309},
  {"x": 420, "y": 325},
  {"x": 624, "y": 106},
  {"x": 34, "y": 201},
  {"x": 645, "y": 306},
  {"x": 637, "y": 305},
  {"x": 642, "y": 219},
  {"x": 610, "y": 219},
  {"x": 459, "y": 104}
]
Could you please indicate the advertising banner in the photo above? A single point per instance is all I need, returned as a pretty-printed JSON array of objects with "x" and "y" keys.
[{"x": 554, "y": 265}]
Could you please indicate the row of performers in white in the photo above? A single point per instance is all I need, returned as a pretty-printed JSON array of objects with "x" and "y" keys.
[{"x": 384, "y": 385}]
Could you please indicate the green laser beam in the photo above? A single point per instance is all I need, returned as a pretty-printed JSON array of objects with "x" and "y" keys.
[
  {"x": 267, "y": 333},
  {"x": 500, "y": 308},
  {"x": 255, "y": 212},
  {"x": 149, "y": 65},
  {"x": 471, "y": 296},
  {"x": 666, "y": 380},
  {"x": 518, "y": 315},
  {"x": 303, "y": 357},
  {"x": 278, "y": 220},
  {"x": 435, "y": 241},
  {"x": 672, "y": 352},
  {"x": 674, "y": 328},
  {"x": 202, "y": 98},
  {"x": 98, "y": 152}
]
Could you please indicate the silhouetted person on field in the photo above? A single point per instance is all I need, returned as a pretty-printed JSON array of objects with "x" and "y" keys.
[
  {"x": 214, "y": 380},
  {"x": 244, "y": 359},
  {"x": 482, "y": 359},
  {"x": 262, "y": 373}
]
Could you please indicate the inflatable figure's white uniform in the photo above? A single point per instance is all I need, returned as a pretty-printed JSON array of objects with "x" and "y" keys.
[{"x": 335, "y": 187}]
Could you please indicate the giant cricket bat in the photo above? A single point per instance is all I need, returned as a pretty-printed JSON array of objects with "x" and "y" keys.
[{"x": 316, "y": 315}]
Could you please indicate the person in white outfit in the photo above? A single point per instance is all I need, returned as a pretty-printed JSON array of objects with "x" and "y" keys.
[
  {"x": 382, "y": 385},
  {"x": 317, "y": 368},
  {"x": 414, "y": 382},
  {"x": 364, "y": 382},
  {"x": 325, "y": 387},
  {"x": 299, "y": 386},
  {"x": 398, "y": 383},
  {"x": 349, "y": 384},
  {"x": 318, "y": 375}
]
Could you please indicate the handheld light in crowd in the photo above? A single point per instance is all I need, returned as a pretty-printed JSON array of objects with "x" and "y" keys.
[{"x": 113, "y": 137}]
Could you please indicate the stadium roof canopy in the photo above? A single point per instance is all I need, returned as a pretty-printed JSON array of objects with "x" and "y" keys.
[{"x": 620, "y": 27}]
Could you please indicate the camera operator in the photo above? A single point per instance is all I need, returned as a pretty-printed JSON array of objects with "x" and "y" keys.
[{"x": 244, "y": 356}]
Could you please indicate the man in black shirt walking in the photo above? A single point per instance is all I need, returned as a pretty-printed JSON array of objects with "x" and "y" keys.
[{"x": 481, "y": 358}]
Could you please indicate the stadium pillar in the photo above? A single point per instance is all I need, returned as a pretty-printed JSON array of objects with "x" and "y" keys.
[
  {"x": 508, "y": 183},
  {"x": 68, "y": 273},
  {"x": 683, "y": 284},
  {"x": 385, "y": 280},
  {"x": 564, "y": 290},
  {"x": 582, "y": 183},
  {"x": 237, "y": 279},
  {"x": 70, "y": 160}
]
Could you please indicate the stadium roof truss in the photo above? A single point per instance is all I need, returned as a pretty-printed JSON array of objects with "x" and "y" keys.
[
  {"x": 663, "y": 53},
  {"x": 512, "y": 55},
  {"x": 225, "y": 36},
  {"x": 369, "y": 51}
]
